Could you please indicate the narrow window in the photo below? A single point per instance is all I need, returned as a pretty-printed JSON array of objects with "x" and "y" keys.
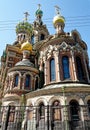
[
  {"x": 65, "y": 64},
  {"x": 12, "y": 114},
  {"x": 52, "y": 69},
  {"x": 74, "y": 110},
  {"x": 27, "y": 82},
  {"x": 88, "y": 103},
  {"x": 16, "y": 80},
  {"x": 42, "y": 37},
  {"x": 36, "y": 83},
  {"x": 32, "y": 39},
  {"x": 56, "y": 111},
  {"x": 41, "y": 110},
  {"x": 40, "y": 116},
  {"x": 79, "y": 69}
]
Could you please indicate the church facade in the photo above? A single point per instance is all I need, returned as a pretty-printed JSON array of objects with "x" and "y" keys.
[{"x": 45, "y": 79}]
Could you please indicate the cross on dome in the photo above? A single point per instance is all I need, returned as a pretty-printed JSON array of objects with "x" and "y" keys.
[
  {"x": 39, "y": 6},
  {"x": 57, "y": 10},
  {"x": 26, "y": 16}
]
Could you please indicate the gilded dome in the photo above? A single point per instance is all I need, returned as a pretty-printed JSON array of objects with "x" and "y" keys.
[
  {"x": 58, "y": 19},
  {"x": 26, "y": 46}
]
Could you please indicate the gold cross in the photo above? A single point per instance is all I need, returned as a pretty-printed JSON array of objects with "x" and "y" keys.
[{"x": 26, "y": 16}]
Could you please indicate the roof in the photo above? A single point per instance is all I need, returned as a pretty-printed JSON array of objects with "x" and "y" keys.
[{"x": 24, "y": 62}]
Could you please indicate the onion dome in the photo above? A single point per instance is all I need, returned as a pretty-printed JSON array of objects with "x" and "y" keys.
[
  {"x": 26, "y": 46},
  {"x": 39, "y": 12},
  {"x": 58, "y": 19},
  {"x": 24, "y": 27}
]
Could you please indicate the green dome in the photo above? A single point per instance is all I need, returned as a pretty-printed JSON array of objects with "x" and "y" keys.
[
  {"x": 39, "y": 12},
  {"x": 24, "y": 27}
]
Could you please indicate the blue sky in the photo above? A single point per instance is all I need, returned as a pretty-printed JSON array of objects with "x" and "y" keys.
[{"x": 76, "y": 13}]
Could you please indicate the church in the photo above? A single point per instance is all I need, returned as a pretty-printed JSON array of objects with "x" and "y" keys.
[{"x": 45, "y": 79}]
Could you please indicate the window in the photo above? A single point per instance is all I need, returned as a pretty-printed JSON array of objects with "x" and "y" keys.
[
  {"x": 74, "y": 110},
  {"x": 79, "y": 69},
  {"x": 41, "y": 110},
  {"x": 42, "y": 37},
  {"x": 32, "y": 39},
  {"x": 16, "y": 80},
  {"x": 27, "y": 82},
  {"x": 36, "y": 83},
  {"x": 52, "y": 69},
  {"x": 56, "y": 111},
  {"x": 88, "y": 103},
  {"x": 65, "y": 64},
  {"x": 12, "y": 113}
]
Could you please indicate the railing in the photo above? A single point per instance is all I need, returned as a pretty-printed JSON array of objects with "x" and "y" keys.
[{"x": 39, "y": 118}]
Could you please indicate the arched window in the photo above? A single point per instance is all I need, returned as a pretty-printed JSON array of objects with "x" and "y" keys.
[
  {"x": 80, "y": 71},
  {"x": 41, "y": 110},
  {"x": 16, "y": 80},
  {"x": 88, "y": 103},
  {"x": 52, "y": 70},
  {"x": 42, "y": 37},
  {"x": 32, "y": 39},
  {"x": 65, "y": 64},
  {"x": 12, "y": 113},
  {"x": 74, "y": 110},
  {"x": 27, "y": 81},
  {"x": 56, "y": 111},
  {"x": 40, "y": 116}
]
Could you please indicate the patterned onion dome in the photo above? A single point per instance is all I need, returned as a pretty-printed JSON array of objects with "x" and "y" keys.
[
  {"x": 24, "y": 27},
  {"x": 26, "y": 46},
  {"x": 58, "y": 19},
  {"x": 39, "y": 12}
]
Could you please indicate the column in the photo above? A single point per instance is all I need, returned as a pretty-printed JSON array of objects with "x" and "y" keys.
[
  {"x": 73, "y": 64},
  {"x": 47, "y": 75},
  {"x": 57, "y": 68},
  {"x": 86, "y": 68}
]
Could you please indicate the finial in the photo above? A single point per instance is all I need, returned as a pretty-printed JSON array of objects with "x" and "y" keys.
[
  {"x": 26, "y": 16},
  {"x": 57, "y": 10},
  {"x": 39, "y": 5}
]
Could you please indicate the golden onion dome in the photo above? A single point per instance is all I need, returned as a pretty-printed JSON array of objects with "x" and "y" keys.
[
  {"x": 58, "y": 19},
  {"x": 26, "y": 46}
]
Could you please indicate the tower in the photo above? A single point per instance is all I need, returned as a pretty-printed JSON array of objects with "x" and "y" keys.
[{"x": 40, "y": 31}]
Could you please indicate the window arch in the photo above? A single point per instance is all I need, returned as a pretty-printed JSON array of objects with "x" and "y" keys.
[
  {"x": 27, "y": 81},
  {"x": 16, "y": 80},
  {"x": 52, "y": 70},
  {"x": 65, "y": 64},
  {"x": 80, "y": 71},
  {"x": 74, "y": 110}
]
